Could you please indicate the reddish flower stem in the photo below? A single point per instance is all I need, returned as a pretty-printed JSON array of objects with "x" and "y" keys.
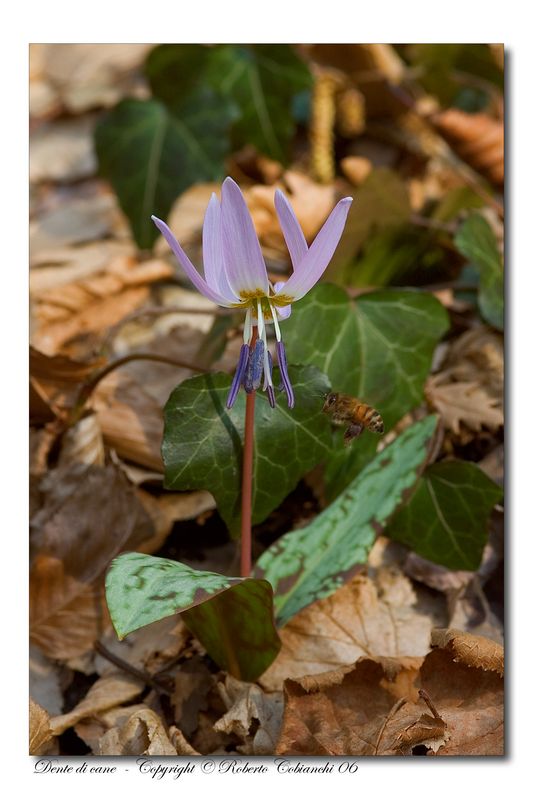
[{"x": 247, "y": 479}]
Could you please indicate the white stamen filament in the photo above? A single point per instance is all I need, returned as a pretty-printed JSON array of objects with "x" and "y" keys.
[
  {"x": 275, "y": 320},
  {"x": 260, "y": 320},
  {"x": 247, "y": 335}
]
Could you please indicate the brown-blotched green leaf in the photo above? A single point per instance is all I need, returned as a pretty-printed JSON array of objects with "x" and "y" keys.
[
  {"x": 231, "y": 616},
  {"x": 311, "y": 563}
]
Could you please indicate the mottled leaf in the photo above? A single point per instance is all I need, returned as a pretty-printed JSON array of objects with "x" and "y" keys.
[
  {"x": 231, "y": 616},
  {"x": 311, "y": 563},
  {"x": 378, "y": 348},
  {"x": 151, "y": 154},
  {"x": 202, "y": 442},
  {"x": 446, "y": 518},
  {"x": 477, "y": 242}
]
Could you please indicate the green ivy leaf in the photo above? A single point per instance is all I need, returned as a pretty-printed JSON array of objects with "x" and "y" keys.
[
  {"x": 150, "y": 155},
  {"x": 377, "y": 348},
  {"x": 447, "y": 516},
  {"x": 477, "y": 242},
  {"x": 262, "y": 81},
  {"x": 311, "y": 563},
  {"x": 202, "y": 441},
  {"x": 231, "y": 616}
]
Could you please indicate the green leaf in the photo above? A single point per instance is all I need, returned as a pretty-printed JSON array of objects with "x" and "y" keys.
[
  {"x": 477, "y": 242},
  {"x": 151, "y": 155},
  {"x": 175, "y": 70},
  {"x": 447, "y": 516},
  {"x": 202, "y": 441},
  {"x": 232, "y": 617},
  {"x": 381, "y": 203},
  {"x": 377, "y": 348},
  {"x": 262, "y": 81},
  {"x": 311, "y": 563}
]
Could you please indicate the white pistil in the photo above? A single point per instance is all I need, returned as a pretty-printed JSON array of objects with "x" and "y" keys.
[
  {"x": 275, "y": 320},
  {"x": 260, "y": 320},
  {"x": 247, "y": 335}
]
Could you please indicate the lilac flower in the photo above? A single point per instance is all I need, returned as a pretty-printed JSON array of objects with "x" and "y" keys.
[{"x": 236, "y": 276}]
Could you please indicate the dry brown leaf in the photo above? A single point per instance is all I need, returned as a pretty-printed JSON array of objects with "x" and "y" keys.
[
  {"x": 91, "y": 728},
  {"x": 83, "y": 443},
  {"x": 468, "y": 389},
  {"x": 77, "y": 221},
  {"x": 55, "y": 380},
  {"x": 94, "y": 303},
  {"x": 364, "y": 617},
  {"x": 73, "y": 541},
  {"x": 356, "y": 169},
  {"x": 374, "y": 708},
  {"x": 107, "y": 692},
  {"x": 463, "y": 402},
  {"x": 192, "y": 683},
  {"x": 63, "y": 151},
  {"x": 40, "y": 733},
  {"x": 150, "y": 649},
  {"x": 169, "y": 508},
  {"x": 472, "y": 650},
  {"x": 142, "y": 734},
  {"x": 181, "y": 744},
  {"x": 253, "y": 715},
  {"x": 477, "y": 138},
  {"x": 62, "y": 266},
  {"x": 79, "y": 77},
  {"x": 130, "y": 419},
  {"x": 45, "y": 686}
]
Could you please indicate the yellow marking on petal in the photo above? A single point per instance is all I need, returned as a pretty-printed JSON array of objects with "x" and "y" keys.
[
  {"x": 252, "y": 295},
  {"x": 282, "y": 300}
]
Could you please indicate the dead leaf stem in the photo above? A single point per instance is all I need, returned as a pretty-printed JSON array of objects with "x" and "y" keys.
[
  {"x": 153, "y": 682},
  {"x": 89, "y": 386},
  {"x": 392, "y": 712},
  {"x": 427, "y": 699}
]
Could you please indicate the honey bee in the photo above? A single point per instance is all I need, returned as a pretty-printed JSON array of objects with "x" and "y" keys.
[{"x": 349, "y": 410}]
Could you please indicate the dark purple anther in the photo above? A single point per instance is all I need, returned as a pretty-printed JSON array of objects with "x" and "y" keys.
[
  {"x": 271, "y": 397},
  {"x": 239, "y": 375},
  {"x": 254, "y": 370},
  {"x": 282, "y": 361}
]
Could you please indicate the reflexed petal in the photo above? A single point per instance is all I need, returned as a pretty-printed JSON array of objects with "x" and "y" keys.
[
  {"x": 292, "y": 231},
  {"x": 214, "y": 268},
  {"x": 245, "y": 266},
  {"x": 193, "y": 275},
  {"x": 319, "y": 254}
]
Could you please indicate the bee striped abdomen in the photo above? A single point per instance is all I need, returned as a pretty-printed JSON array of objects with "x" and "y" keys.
[{"x": 370, "y": 418}]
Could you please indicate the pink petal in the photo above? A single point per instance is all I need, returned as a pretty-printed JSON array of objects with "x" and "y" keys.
[
  {"x": 319, "y": 254},
  {"x": 245, "y": 266},
  {"x": 292, "y": 231},
  {"x": 214, "y": 267},
  {"x": 195, "y": 278}
]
